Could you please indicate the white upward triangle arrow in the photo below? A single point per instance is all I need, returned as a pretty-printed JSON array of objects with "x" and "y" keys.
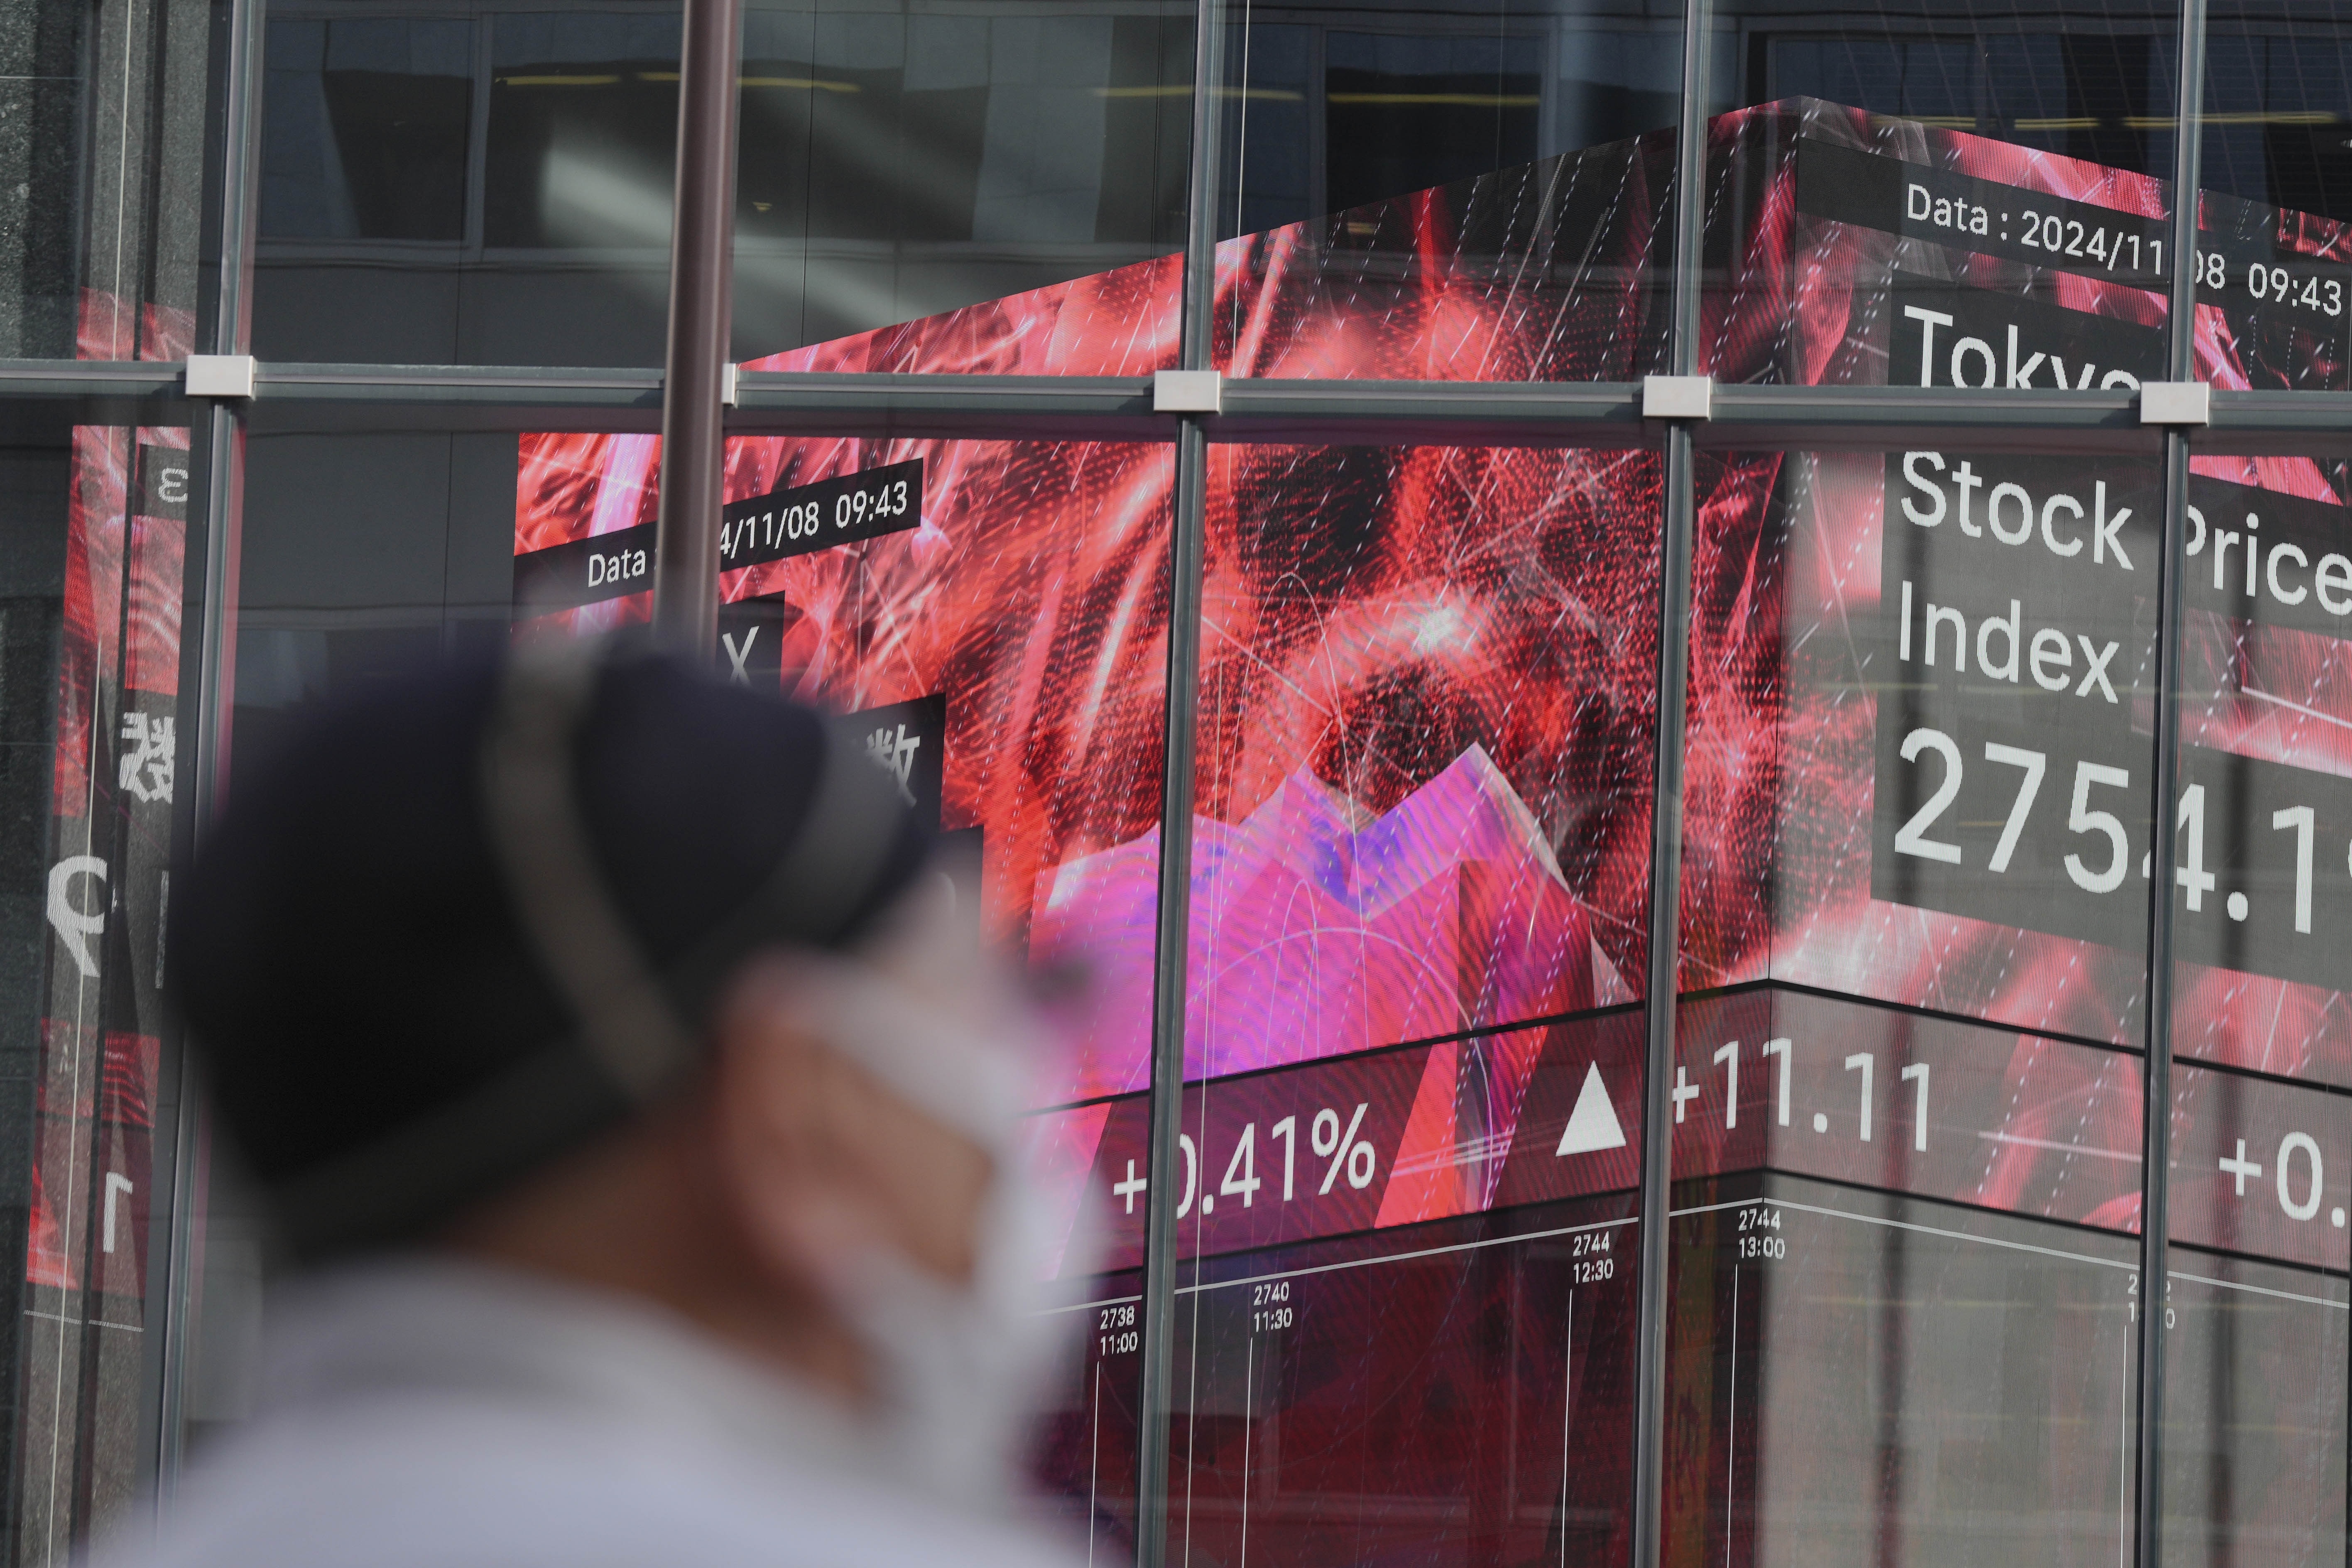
[{"x": 1593, "y": 1123}]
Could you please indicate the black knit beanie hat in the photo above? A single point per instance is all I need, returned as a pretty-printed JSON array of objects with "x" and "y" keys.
[{"x": 465, "y": 920}]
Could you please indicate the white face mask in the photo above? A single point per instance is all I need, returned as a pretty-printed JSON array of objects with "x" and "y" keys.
[{"x": 961, "y": 1368}]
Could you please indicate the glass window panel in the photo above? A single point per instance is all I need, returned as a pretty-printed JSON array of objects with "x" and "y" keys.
[
  {"x": 1121, "y": 322},
  {"x": 942, "y": 159},
  {"x": 583, "y": 131},
  {"x": 993, "y": 616},
  {"x": 365, "y": 132},
  {"x": 1870, "y": 160},
  {"x": 1860, "y": 1376},
  {"x": 1448, "y": 192},
  {"x": 1427, "y": 697},
  {"x": 1862, "y": 248},
  {"x": 495, "y": 184},
  {"x": 1907, "y": 1096},
  {"x": 2254, "y": 1433},
  {"x": 1341, "y": 108},
  {"x": 1403, "y": 113},
  {"x": 411, "y": 562},
  {"x": 1406, "y": 1304},
  {"x": 1427, "y": 703},
  {"x": 2278, "y": 106},
  {"x": 2275, "y": 266},
  {"x": 2090, "y": 84},
  {"x": 486, "y": 184},
  {"x": 1944, "y": 655},
  {"x": 2254, "y": 1404},
  {"x": 92, "y": 723},
  {"x": 2261, "y": 930}
]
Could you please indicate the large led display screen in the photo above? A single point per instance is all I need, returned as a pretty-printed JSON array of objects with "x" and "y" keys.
[
  {"x": 1951, "y": 650},
  {"x": 1916, "y": 836}
]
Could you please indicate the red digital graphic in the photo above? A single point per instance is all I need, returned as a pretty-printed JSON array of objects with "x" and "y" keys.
[
  {"x": 1916, "y": 816},
  {"x": 1427, "y": 674},
  {"x": 115, "y": 775}
]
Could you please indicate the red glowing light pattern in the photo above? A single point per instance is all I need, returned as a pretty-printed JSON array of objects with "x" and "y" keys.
[{"x": 1427, "y": 674}]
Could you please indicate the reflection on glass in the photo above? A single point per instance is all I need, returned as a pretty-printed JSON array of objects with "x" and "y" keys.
[
  {"x": 1548, "y": 271},
  {"x": 2254, "y": 1450},
  {"x": 92, "y": 731},
  {"x": 1406, "y": 1316},
  {"x": 992, "y": 616},
  {"x": 1951, "y": 650},
  {"x": 1457, "y": 1393},
  {"x": 1451, "y": 191},
  {"x": 365, "y": 133},
  {"x": 1907, "y": 1288},
  {"x": 2278, "y": 105},
  {"x": 1852, "y": 247},
  {"x": 1086, "y": 1458},
  {"x": 899, "y": 162},
  {"x": 583, "y": 128},
  {"x": 411, "y": 562},
  {"x": 2095, "y": 85},
  {"x": 2263, "y": 1166},
  {"x": 874, "y": 111},
  {"x": 2264, "y": 894},
  {"x": 1340, "y": 107},
  {"x": 1859, "y": 1377},
  {"x": 1403, "y": 113},
  {"x": 1904, "y": 1268},
  {"x": 497, "y": 185},
  {"x": 2275, "y": 256},
  {"x": 483, "y": 188}
]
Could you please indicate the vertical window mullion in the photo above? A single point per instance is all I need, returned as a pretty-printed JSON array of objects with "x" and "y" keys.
[
  {"x": 2156, "y": 1136},
  {"x": 1677, "y": 526},
  {"x": 216, "y": 525},
  {"x": 1188, "y": 523}
]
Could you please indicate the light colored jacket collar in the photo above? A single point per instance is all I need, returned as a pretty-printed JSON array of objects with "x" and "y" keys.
[{"x": 435, "y": 1326}]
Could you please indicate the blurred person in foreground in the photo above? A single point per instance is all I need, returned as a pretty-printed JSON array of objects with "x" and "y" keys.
[{"x": 641, "y": 1114}]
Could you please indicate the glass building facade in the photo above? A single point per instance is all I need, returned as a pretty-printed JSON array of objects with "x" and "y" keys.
[{"x": 1611, "y": 934}]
